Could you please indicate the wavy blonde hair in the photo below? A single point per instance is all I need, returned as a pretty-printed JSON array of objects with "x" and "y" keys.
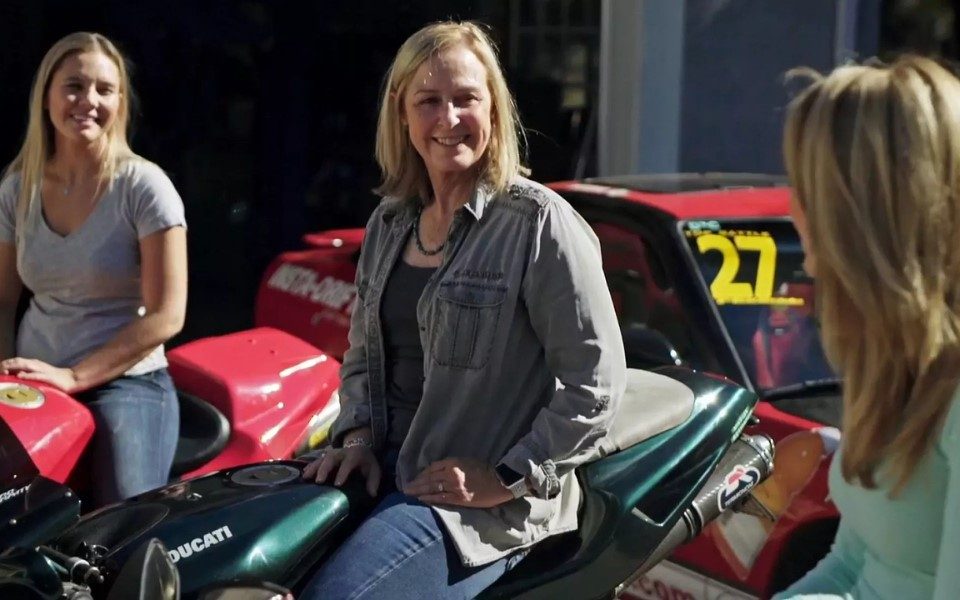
[
  {"x": 38, "y": 143},
  {"x": 403, "y": 171},
  {"x": 873, "y": 154}
]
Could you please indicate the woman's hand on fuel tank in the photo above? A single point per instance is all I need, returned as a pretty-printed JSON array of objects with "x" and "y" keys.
[
  {"x": 344, "y": 461},
  {"x": 459, "y": 482},
  {"x": 37, "y": 370}
]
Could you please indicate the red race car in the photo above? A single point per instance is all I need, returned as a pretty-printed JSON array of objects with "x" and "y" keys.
[{"x": 705, "y": 271}]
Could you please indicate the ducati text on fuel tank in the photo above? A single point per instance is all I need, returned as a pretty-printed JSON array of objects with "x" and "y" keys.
[{"x": 199, "y": 544}]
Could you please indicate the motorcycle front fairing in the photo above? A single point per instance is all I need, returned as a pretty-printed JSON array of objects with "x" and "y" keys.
[
  {"x": 33, "y": 508},
  {"x": 53, "y": 427},
  {"x": 26, "y": 573}
]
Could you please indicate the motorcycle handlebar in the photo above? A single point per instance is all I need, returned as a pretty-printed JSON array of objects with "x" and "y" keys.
[{"x": 78, "y": 570}]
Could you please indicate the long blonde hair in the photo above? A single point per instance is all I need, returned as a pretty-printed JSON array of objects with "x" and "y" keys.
[
  {"x": 38, "y": 143},
  {"x": 873, "y": 154},
  {"x": 404, "y": 174}
]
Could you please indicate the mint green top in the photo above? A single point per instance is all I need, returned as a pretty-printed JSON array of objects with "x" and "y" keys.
[{"x": 904, "y": 548}]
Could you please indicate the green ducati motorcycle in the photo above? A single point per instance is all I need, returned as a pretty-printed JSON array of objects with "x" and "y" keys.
[{"x": 682, "y": 458}]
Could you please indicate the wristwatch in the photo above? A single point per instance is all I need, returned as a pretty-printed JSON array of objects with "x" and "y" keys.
[
  {"x": 513, "y": 481},
  {"x": 357, "y": 441}
]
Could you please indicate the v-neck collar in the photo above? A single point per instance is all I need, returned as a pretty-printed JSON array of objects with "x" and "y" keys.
[{"x": 80, "y": 228}]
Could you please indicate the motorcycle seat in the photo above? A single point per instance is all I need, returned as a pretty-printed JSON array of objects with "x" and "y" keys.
[
  {"x": 204, "y": 432},
  {"x": 652, "y": 403},
  {"x": 631, "y": 496}
]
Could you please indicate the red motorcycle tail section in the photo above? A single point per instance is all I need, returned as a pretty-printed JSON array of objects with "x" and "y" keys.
[
  {"x": 52, "y": 426},
  {"x": 267, "y": 383},
  {"x": 311, "y": 293}
]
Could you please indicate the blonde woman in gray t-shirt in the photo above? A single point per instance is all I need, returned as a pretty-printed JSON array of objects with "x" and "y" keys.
[{"x": 97, "y": 233}]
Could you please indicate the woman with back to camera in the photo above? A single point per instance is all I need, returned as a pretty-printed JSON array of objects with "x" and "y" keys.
[
  {"x": 873, "y": 154},
  {"x": 485, "y": 359},
  {"x": 97, "y": 233}
]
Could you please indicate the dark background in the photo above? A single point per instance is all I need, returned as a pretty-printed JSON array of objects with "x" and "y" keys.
[{"x": 263, "y": 112}]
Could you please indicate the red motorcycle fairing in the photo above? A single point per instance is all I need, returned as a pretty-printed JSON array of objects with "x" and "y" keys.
[
  {"x": 311, "y": 293},
  {"x": 52, "y": 426},
  {"x": 268, "y": 384}
]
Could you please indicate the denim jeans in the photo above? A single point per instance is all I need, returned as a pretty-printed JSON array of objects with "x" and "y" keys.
[
  {"x": 137, "y": 425},
  {"x": 401, "y": 551}
]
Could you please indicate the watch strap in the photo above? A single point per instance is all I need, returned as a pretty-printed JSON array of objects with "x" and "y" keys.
[{"x": 512, "y": 480}]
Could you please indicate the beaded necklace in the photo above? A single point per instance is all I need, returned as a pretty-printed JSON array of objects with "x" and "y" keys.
[{"x": 419, "y": 242}]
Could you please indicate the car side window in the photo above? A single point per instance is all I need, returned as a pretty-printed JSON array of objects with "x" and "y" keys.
[{"x": 651, "y": 318}]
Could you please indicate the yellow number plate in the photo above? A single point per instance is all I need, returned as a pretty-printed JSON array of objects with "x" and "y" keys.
[{"x": 730, "y": 244}]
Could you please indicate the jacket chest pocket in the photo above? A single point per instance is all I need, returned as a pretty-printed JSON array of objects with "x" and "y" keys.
[{"x": 466, "y": 326}]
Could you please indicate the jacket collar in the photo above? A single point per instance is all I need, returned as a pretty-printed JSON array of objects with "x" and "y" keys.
[
  {"x": 400, "y": 210},
  {"x": 478, "y": 203},
  {"x": 404, "y": 210}
]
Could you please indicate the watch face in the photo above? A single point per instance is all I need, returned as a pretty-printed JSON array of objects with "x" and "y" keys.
[{"x": 507, "y": 476}]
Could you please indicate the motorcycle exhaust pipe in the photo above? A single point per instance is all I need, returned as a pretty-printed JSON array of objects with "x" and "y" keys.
[{"x": 748, "y": 462}]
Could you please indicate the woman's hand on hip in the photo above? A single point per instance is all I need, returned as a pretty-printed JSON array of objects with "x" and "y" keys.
[
  {"x": 37, "y": 370},
  {"x": 459, "y": 482},
  {"x": 344, "y": 461}
]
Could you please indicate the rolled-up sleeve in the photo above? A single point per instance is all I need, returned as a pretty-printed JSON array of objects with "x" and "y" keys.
[{"x": 573, "y": 316}]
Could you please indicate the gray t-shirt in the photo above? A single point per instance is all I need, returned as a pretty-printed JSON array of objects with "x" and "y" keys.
[{"x": 86, "y": 285}]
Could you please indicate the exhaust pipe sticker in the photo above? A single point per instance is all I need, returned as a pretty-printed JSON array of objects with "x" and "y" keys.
[
  {"x": 736, "y": 483},
  {"x": 199, "y": 544}
]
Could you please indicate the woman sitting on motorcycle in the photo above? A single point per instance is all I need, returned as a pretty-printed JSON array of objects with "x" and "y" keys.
[
  {"x": 485, "y": 359},
  {"x": 97, "y": 234},
  {"x": 873, "y": 154}
]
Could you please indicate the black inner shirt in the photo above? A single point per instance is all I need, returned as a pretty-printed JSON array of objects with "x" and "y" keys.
[{"x": 404, "y": 353}]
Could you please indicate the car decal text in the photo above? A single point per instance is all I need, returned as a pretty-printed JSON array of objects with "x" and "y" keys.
[{"x": 306, "y": 283}]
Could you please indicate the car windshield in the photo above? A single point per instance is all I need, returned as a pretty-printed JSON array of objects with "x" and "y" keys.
[{"x": 753, "y": 272}]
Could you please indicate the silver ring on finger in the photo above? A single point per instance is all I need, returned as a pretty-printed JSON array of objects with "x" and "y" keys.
[{"x": 440, "y": 487}]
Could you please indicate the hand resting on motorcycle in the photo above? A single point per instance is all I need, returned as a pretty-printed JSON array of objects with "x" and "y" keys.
[
  {"x": 344, "y": 461},
  {"x": 452, "y": 481},
  {"x": 37, "y": 370},
  {"x": 356, "y": 453}
]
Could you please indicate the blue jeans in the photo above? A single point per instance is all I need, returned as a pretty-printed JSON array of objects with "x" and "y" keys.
[
  {"x": 402, "y": 551},
  {"x": 138, "y": 423}
]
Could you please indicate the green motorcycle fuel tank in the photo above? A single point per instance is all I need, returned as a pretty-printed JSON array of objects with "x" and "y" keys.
[{"x": 681, "y": 460}]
